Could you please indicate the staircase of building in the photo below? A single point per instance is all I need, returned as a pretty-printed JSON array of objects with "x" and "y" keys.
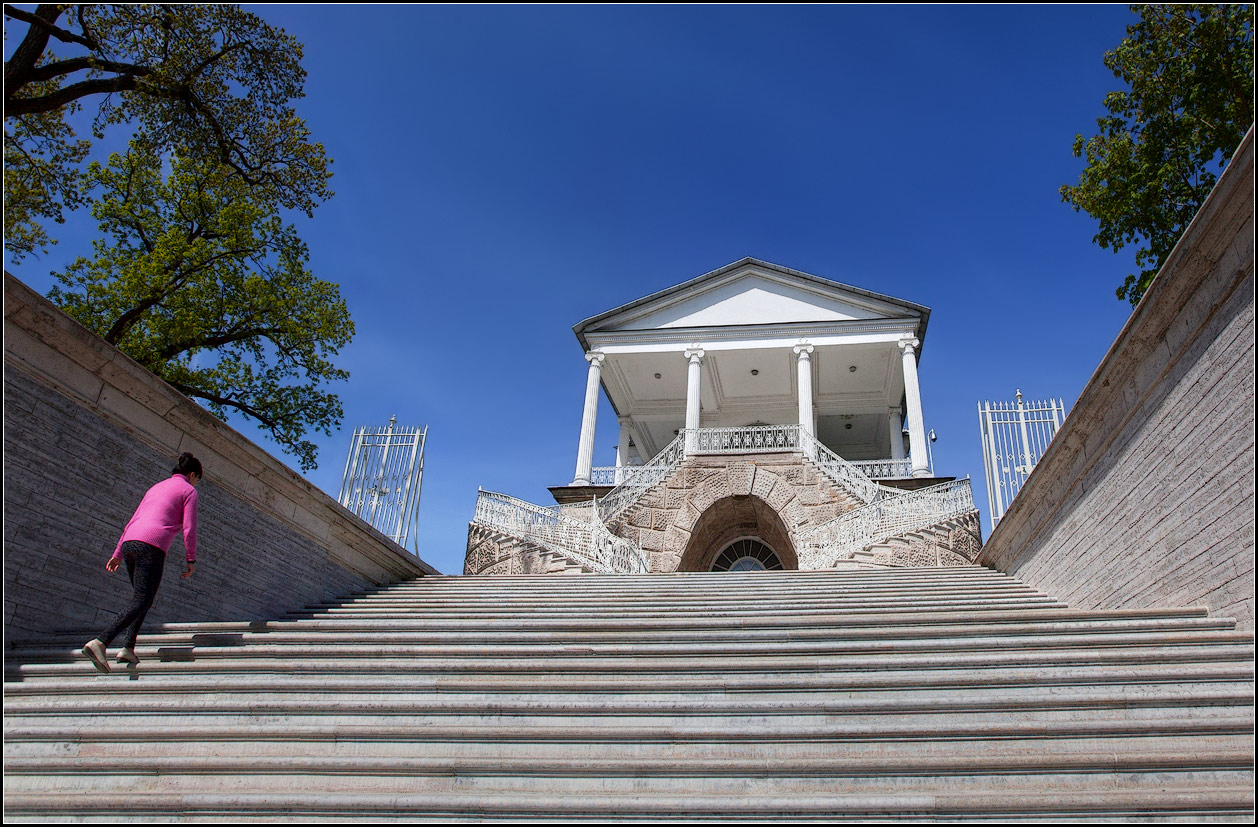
[{"x": 932, "y": 693}]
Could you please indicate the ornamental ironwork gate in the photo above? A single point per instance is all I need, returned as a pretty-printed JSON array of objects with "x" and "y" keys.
[
  {"x": 1015, "y": 436},
  {"x": 382, "y": 480}
]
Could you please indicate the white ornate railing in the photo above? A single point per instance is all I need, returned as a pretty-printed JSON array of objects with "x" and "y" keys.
[
  {"x": 743, "y": 440},
  {"x": 841, "y": 537},
  {"x": 612, "y": 474},
  {"x": 747, "y": 439},
  {"x": 643, "y": 478},
  {"x": 884, "y": 469},
  {"x": 843, "y": 472},
  {"x": 586, "y": 542}
]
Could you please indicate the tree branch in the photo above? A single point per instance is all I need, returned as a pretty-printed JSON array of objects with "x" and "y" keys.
[
  {"x": 68, "y": 94},
  {"x": 226, "y": 401}
]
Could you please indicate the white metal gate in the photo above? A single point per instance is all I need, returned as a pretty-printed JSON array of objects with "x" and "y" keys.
[
  {"x": 382, "y": 479},
  {"x": 1015, "y": 436}
]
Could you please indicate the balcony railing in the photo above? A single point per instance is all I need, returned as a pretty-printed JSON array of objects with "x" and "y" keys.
[
  {"x": 884, "y": 469},
  {"x": 745, "y": 440}
]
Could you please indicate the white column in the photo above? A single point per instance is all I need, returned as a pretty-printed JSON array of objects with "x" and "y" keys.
[
  {"x": 694, "y": 355},
  {"x": 585, "y": 448},
  {"x": 913, "y": 401},
  {"x": 803, "y": 361},
  {"x": 895, "y": 425},
  {"x": 622, "y": 447}
]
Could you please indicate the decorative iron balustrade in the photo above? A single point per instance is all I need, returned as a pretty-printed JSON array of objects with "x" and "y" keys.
[
  {"x": 644, "y": 478},
  {"x": 586, "y": 542},
  {"x": 748, "y": 439},
  {"x": 612, "y": 474},
  {"x": 844, "y": 473},
  {"x": 884, "y": 469},
  {"x": 888, "y": 517},
  {"x": 743, "y": 440}
]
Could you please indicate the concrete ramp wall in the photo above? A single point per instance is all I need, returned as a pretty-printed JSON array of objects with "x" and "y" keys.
[
  {"x": 1145, "y": 498},
  {"x": 87, "y": 430}
]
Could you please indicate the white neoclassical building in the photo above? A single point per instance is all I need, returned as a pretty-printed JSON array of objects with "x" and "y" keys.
[
  {"x": 757, "y": 344},
  {"x": 760, "y": 411}
]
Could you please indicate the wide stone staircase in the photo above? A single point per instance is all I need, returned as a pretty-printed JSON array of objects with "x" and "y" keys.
[{"x": 932, "y": 693}]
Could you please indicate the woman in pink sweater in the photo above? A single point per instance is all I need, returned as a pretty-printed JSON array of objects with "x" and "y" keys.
[{"x": 167, "y": 507}]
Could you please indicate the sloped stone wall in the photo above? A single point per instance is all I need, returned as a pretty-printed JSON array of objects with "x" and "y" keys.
[
  {"x": 1145, "y": 498},
  {"x": 87, "y": 431}
]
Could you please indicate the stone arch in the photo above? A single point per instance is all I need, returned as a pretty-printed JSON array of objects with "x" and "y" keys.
[{"x": 732, "y": 518}]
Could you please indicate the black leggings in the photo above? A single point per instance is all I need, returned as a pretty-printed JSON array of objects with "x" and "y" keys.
[{"x": 144, "y": 567}]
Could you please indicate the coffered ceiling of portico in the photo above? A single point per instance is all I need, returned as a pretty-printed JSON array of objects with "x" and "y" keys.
[{"x": 654, "y": 383}]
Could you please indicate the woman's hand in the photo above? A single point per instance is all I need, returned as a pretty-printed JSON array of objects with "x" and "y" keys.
[
  {"x": 187, "y": 572},
  {"x": 111, "y": 565}
]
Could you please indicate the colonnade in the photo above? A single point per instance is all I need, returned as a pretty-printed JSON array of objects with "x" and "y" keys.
[{"x": 913, "y": 418}]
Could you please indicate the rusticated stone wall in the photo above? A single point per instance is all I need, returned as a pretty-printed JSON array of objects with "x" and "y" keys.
[
  {"x": 1145, "y": 498},
  {"x": 489, "y": 552},
  {"x": 663, "y": 522},
  {"x": 87, "y": 431},
  {"x": 952, "y": 542}
]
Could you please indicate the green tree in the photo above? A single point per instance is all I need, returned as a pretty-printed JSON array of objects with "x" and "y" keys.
[
  {"x": 201, "y": 281},
  {"x": 207, "y": 81},
  {"x": 1189, "y": 102}
]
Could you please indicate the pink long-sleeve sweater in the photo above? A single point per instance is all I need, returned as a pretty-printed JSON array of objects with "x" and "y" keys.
[{"x": 166, "y": 507}]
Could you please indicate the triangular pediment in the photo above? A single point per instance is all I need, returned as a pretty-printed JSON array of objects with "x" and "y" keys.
[{"x": 751, "y": 292}]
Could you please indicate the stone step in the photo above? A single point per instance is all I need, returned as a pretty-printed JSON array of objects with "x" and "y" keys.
[
  {"x": 311, "y": 698},
  {"x": 372, "y": 722},
  {"x": 371, "y": 630},
  {"x": 803, "y": 762},
  {"x": 1108, "y": 749},
  {"x": 663, "y": 621},
  {"x": 609, "y": 698},
  {"x": 319, "y": 780},
  {"x": 683, "y": 606},
  {"x": 368, "y": 659},
  {"x": 1030, "y": 803},
  {"x": 999, "y": 678},
  {"x": 438, "y": 730},
  {"x": 414, "y": 645}
]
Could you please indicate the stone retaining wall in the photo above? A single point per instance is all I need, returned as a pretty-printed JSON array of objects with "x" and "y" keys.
[
  {"x": 87, "y": 430},
  {"x": 1145, "y": 498}
]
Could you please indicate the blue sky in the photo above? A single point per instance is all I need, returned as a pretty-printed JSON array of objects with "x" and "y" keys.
[{"x": 503, "y": 172}]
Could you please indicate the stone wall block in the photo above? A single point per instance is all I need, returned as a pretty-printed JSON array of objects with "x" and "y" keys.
[
  {"x": 45, "y": 363},
  {"x": 650, "y": 540},
  {"x": 781, "y": 493},
  {"x": 664, "y": 562},
  {"x": 675, "y": 540},
  {"x": 687, "y": 516},
  {"x": 740, "y": 476},
  {"x": 763, "y": 483},
  {"x": 674, "y": 497}
]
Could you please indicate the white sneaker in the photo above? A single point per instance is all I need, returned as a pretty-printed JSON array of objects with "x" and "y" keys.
[
  {"x": 95, "y": 651},
  {"x": 127, "y": 656}
]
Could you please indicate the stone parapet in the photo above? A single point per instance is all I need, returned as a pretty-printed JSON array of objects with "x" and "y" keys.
[
  {"x": 1145, "y": 497},
  {"x": 87, "y": 430}
]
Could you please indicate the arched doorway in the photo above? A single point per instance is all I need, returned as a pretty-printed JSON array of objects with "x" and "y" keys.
[{"x": 730, "y": 520}]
